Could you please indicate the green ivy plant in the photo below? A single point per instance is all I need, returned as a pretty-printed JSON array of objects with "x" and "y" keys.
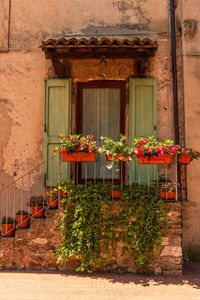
[{"x": 89, "y": 224}]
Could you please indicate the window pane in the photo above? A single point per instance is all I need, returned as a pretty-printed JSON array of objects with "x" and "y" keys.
[{"x": 101, "y": 117}]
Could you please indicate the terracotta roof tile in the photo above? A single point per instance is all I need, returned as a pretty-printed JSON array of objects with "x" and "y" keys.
[{"x": 103, "y": 42}]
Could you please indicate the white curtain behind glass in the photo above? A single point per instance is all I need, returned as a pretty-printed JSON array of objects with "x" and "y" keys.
[{"x": 101, "y": 117}]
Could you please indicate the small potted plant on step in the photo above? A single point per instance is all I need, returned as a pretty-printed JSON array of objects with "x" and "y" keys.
[
  {"x": 23, "y": 219},
  {"x": 77, "y": 148},
  {"x": 37, "y": 204},
  {"x": 52, "y": 199},
  {"x": 186, "y": 155},
  {"x": 168, "y": 190},
  {"x": 8, "y": 228}
]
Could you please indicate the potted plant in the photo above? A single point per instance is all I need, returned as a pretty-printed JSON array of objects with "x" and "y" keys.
[
  {"x": 37, "y": 204},
  {"x": 23, "y": 219},
  {"x": 168, "y": 190},
  {"x": 186, "y": 155},
  {"x": 52, "y": 198},
  {"x": 77, "y": 148},
  {"x": 152, "y": 151},
  {"x": 114, "y": 192},
  {"x": 116, "y": 151},
  {"x": 7, "y": 225}
]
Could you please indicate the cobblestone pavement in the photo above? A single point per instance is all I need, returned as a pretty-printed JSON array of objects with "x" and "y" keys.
[{"x": 108, "y": 286}]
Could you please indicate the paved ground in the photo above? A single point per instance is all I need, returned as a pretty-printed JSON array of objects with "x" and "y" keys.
[{"x": 50, "y": 286}]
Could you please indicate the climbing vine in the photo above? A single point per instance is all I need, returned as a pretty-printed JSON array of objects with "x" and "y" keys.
[{"x": 90, "y": 225}]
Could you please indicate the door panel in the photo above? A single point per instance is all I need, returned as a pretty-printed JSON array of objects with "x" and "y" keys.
[
  {"x": 57, "y": 119},
  {"x": 143, "y": 120}
]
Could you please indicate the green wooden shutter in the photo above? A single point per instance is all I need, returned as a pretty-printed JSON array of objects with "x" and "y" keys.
[
  {"x": 57, "y": 119},
  {"x": 143, "y": 119}
]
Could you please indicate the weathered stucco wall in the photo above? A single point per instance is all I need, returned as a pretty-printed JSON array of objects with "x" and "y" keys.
[
  {"x": 24, "y": 68},
  {"x": 191, "y": 60}
]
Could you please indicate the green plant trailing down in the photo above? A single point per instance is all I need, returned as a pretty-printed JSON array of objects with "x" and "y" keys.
[{"x": 89, "y": 224}]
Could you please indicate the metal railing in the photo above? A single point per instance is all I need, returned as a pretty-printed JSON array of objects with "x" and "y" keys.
[{"x": 16, "y": 196}]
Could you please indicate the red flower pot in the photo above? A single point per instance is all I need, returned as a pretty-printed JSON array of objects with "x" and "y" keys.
[
  {"x": 37, "y": 211},
  {"x": 8, "y": 230},
  {"x": 168, "y": 195},
  {"x": 185, "y": 158},
  {"x": 23, "y": 221},
  {"x": 63, "y": 194},
  {"x": 166, "y": 159},
  {"x": 52, "y": 202},
  {"x": 114, "y": 194},
  {"x": 80, "y": 156},
  {"x": 118, "y": 156}
]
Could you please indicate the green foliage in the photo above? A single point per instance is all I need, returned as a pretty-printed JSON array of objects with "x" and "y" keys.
[
  {"x": 116, "y": 150},
  {"x": 22, "y": 213},
  {"x": 89, "y": 224},
  {"x": 7, "y": 220}
]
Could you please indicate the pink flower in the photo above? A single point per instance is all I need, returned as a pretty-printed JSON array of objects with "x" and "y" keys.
[
  {"x": 149, "y": 149},
  {"x": 71, "y": 140},
  {"x": 54, "y": 150},
  {"x": 157, "y": 149},
  {"x": 85, "y": 146},
  {"x": 66, "y": 137},
  {"x": 161, "y": 154},
  {"x": 90, "y": 149},
  {"x": 81, "y": 143},
  {"x": 91, "y": 136},
  {"x": 63, "y": 151},
  {"x": 59, "y": 136}
]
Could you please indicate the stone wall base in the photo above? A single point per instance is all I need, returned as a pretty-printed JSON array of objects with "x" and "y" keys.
[{"x": 33, "y": 248}]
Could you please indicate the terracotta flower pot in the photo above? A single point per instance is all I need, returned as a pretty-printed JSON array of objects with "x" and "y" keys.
[
  {"x": 37, "y": 211},
  {"x": 52, "y": 202},
  {"x": 8, "y": 230},
  {"x": 80, "y": 156},
  {"x": 63, "y": 194},
  {"x": 114, "y": 194},
  {"x": 185, "y": 158},
  {"x": 166, "y": 159},
  {"x": 168, "y": 195},
  {"x": 118, "y": 156},
  {"x": 23, "y": 221}
]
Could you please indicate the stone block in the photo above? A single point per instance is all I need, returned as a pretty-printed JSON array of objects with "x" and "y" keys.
[
  {"x": 171, "y": 251},
  {"x": 172, "y": 272}
]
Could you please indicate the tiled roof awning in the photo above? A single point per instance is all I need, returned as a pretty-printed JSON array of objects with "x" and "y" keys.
[{"x": 93, "y": 48}]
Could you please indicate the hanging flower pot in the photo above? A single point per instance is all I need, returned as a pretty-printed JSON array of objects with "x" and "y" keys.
[
  {"x": 79, "y": 156},
  {"x": 169, "y": 195},
  {"x": 23, "y": 219},
  {"x": 52, "y": 202},
  {"x": 185, "y": 158},
  {"x": 118, "y": 156},
  {"x": 114, "y": 194},
  {"x": 8, "y": 228},
  {"x": 165, "y": 159}
]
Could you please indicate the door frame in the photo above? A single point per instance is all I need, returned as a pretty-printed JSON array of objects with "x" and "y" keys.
[{"x": 79, "y": 108}]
